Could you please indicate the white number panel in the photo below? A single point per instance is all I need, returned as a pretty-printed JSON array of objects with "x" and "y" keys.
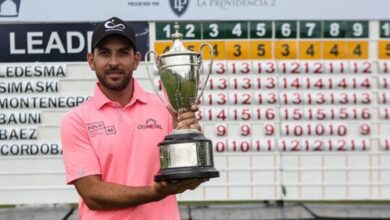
[{"x": 297, "y": 129}]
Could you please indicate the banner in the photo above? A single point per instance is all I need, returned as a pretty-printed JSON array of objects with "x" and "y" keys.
[
  {"x": 55, "y": 42},
  {"x": 162, "y": 10}
]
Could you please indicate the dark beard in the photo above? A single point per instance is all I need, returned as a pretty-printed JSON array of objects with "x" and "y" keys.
[{"x": 115, "y": 87}]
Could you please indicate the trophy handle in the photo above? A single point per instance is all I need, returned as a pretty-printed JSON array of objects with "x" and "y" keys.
[
  {"x": 210, "y": 69},
  {"x": 148, "y": 62}
]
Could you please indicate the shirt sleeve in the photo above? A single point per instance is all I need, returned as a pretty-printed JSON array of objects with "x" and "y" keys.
[{"x": 79, "y": 157}]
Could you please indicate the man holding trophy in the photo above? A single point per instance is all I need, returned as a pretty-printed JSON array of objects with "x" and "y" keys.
[{"x": 110, "y": 142}]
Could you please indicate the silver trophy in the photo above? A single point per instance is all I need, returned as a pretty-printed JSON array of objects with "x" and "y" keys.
[{"x": 184, "y": 153}]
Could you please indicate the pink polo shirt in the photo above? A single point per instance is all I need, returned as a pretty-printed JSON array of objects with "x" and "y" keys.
[{"x": 120, "y": 144}]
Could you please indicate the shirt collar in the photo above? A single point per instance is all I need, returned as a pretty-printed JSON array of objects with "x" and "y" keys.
[{"x": 101, "y": 99}]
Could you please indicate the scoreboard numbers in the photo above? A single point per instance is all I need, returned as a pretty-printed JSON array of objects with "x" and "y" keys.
[
  {"x": 357, "y": 50},
  {"x": 192, "y": 31},
  {"x": 292, "y": 86},
  {"x": 285, "y": 39},
  {"x": 260, "y": 45},
  {"x": 310, "y": 29},
  {"x": 285, "y": 29},
  {"x": 163, "y": 47},
  {"x": 236, "y": 30},
  {"x": 310, "y": 50},
  {"x": 334, "y": 29},
  {"x": 213, "y": 30},
  {"x": 189, "y": 31},
  {"x": 357, "y": 29},
  {"x": 193, "y": 46},
  {"x": 285, "y": 49},
  {"x": 384, "y": 49},
  {"x": 384, "y": 29},
  {"x": 261, "y": 29},
  {"x": 384, "y": 42},
  {"x": 237, "y": 50},
  {"x": 260, "y": 49},
  {"x": 165, "y": 29},
  {"x": 334, "y": 49},
  {"x": 304, "y": 89},
  {"x": 218, "y": 49}
]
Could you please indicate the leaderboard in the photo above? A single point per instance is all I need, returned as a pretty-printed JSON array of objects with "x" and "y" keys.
[
  {"x": 293, "y": 86},
  {"x": 27, "y": 90}
]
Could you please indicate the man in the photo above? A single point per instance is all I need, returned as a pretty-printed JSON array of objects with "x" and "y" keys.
[{"x": 109, "y": 155}]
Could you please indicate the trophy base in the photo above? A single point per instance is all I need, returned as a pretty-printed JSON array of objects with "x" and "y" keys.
[
  {"x": 182, "y": 173},
  {"x": 186, "y": 154}
]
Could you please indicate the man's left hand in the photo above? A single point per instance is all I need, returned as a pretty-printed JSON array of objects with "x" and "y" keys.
[{"x": 188, "y": 120}]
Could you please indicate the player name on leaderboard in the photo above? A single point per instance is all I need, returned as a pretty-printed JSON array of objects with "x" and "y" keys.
[{"x": 293, "y": 85}]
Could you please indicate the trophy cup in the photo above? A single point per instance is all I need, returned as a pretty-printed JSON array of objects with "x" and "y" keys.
[{"x": 184, "y": 153}]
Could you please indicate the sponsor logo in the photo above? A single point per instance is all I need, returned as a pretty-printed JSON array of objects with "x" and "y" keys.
[
  {"x": 179, "y": 6},
  {"x": 9, "y": 8},
  {"x": 150, "y": 124},
  {"x": 142, "y": 3},
  {"x": 110, "y": 26},
  {"x": 97, "y": 128}
]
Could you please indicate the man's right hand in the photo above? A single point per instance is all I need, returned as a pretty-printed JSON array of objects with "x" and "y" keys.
[{"x": 164, "y": 188}]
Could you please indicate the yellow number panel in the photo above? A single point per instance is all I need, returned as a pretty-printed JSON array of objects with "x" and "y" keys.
[
  {"x": 236, "y": 50},
  {"x": 310, "y": 50},
  {"x": 333, "y": 50},
  {"x": 162, "y": 46},
  {"x": 193, "y": 45},
  {"x": 356, "y": 50},
  {"x": 219, "y": 50},
  {"x": 260, "y": 49},
  {"x": 384, "y": 49},
  {"x": 285, "y": 49}
]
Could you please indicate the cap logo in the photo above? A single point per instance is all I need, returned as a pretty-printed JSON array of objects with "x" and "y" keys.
[{"x": 112, "y": 26}]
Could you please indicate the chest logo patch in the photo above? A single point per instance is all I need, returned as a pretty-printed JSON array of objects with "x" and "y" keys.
[
  {"x": 150, "y": 124},
  {"x": 97, "y": 128}
]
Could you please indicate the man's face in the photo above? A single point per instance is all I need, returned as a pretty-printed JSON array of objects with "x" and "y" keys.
[{"x": 114, "y": 60}]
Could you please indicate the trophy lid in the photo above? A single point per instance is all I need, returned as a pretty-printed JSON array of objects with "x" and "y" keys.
[{"x": 178, "y": 47}]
